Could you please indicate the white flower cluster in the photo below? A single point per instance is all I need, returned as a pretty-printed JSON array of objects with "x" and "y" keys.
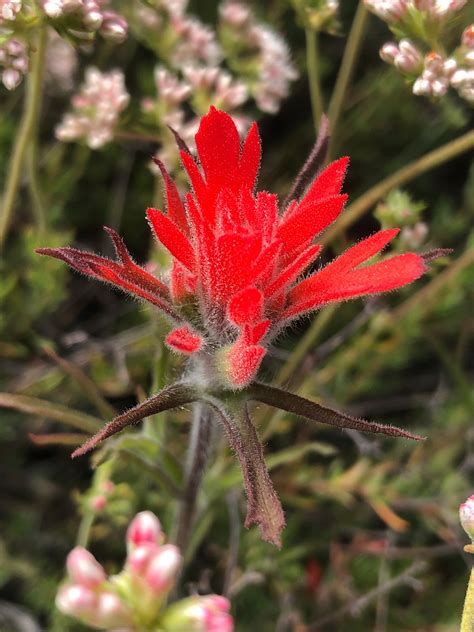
[
  {"x": 9, "y": 9},
  {"x": 434, "y": 74},
  {"x": 273, "y": 70},
  {"x": 14, "y": 63},
  {"x": 96, "y": 109},
  {"x": 396, "y": 10},
  {"x": 88, "y": 16}
]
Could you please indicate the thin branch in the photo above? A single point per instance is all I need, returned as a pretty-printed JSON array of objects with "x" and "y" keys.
[
  {"x": 346, "y": 69},
  {"x": 25, "y": 131},
  {"x": 354, "y": 608},
  {"x": 197, "y": 458}
]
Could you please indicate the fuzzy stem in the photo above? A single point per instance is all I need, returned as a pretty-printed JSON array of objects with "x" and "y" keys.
[
  {"x": 429, "y": 161},
  {"x": 196, "y": 463},
  {"x": 467, "y": 622},
  {"x": 312, "y": 61},
  {"x": 348, "y": 63},
  {"x": 26, "y": 130}
]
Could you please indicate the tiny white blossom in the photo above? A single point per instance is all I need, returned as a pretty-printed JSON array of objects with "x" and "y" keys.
[{"x": 96, "y": 109}]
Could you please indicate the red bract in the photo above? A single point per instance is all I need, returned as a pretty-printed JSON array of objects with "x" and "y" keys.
[{"x": 238, "y": 260}]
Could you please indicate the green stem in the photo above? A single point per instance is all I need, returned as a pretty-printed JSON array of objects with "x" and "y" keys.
[
  {"x": 348, "y": 63},
  {"x": 26, "y": 130},
  {"x": 197, "y": 458},
  {"x": 312, "y": 60},
  {"x": 467, "y": 622},
  {"x": 402, "y": 176}
]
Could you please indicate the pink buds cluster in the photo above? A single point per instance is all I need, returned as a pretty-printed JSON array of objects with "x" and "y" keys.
[
  {"x": 270, "y": 63},
  {"x": 9, "y": 9},
  {"x": 14, "y": 61},
  {"x": 431, "y": 73},
  {"x": 84, "y": 18},
  {"x": 135, "y": 599},
  {"x": 88, "y": 596},
  {"x": 393, "y": 11},
  {"x": 96, "y": 109}
]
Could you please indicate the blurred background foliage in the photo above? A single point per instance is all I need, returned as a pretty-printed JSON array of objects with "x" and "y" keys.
[{"x": 372, "y": 540}]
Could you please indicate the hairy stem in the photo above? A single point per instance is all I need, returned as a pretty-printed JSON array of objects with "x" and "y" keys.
[
  {"x": 467, "y": 621},
  {"x": 312, "y": 61},
  {"x": 197, "y": 457},
  {"x": 348, "y": 63},
  {"x": 28, "y": 125},
  {"x": 402, "y": 176}
]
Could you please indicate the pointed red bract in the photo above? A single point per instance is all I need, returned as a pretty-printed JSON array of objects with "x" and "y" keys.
[
  {"x": 237, "y": 263},
  {"x": 184, "y": 340}
]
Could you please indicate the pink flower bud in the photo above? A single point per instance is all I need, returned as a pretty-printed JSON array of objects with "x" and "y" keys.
[
  {"x": 111, "y": 612},
  {"x": 145, "y": 528},
  {"x": 98, "y": 503},
  {"x": 466, "y": 516},
  {"x": 467, "y": 38},
  {"x": 114, "y": 27},
  {"x": 200, "y": 614},
  {"x": 76, "y": 601},
  {"x": 389, "y": 52},
  {"x": 162, "y": 569},
  {"x": 140, "y": 557},
  {"x": 84, "y": 569},
  {"x": 11, "y": 78}
]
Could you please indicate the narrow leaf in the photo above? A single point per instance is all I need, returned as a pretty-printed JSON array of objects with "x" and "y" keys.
[
  {"x": 42, "y": 408},
  {"x": 305, "y": 408},
  {"x": 263, "y": 506},
  {"x": 170, "y": 397}
]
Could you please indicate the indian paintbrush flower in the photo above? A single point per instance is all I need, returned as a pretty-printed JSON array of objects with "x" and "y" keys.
[{"x": 242, "y": 271}]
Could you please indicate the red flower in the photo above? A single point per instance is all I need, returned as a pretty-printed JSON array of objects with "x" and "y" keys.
[
  {"x": 237, "y": 260},
  {"x": 239, "y": 276}
]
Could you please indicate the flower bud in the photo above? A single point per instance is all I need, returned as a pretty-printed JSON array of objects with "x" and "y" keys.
[
  {"x": 76, "y": 601},
  {"x": 111, "y": 612},
  {"x": 467, "y": 38},
  {"x": 84, "y": 569},
  {"x": 53, "y": 8},
  {"x": 140, "y": 557},
  {"x": 114, "y": 27},
  {"x": 162, "y": 569},
  {"x": 389, "y": 52},
  {"x": 145, "y": 528},
  {"x": 11, "y": 78},
  {"x": 200, "y": 614},
  {"x": 466, "y": 516}
]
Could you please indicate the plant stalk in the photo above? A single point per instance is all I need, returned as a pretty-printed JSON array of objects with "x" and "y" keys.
[
  {"x": 24, "y": 137},
  {"x": 429, "y": 161},
  {"x": 196, "y": 463},
  {"x": 348, "y": 63},
  {"x": 314, "y": 78},
  {"x": 467, "y": 621}
]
